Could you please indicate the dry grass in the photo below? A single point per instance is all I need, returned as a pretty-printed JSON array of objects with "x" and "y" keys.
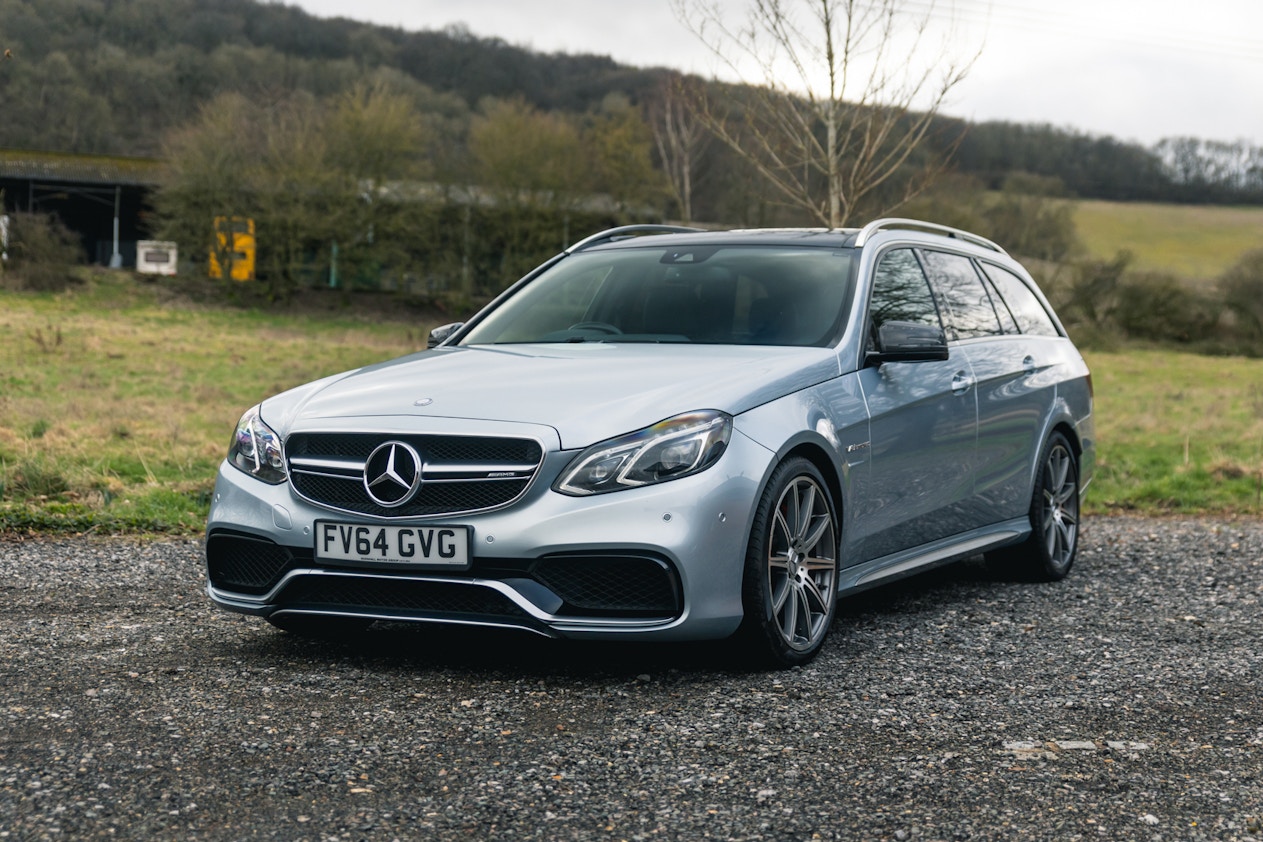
[
  {"x": 112, "y": 393},
  {"x": 1178, "y": 431},
  {"x": 1196, "y": 242}
]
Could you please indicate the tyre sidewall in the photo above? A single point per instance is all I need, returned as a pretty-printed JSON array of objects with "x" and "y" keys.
[
  {"x": 759, "y": 630},
  {"x": 1045, "y": 566}
]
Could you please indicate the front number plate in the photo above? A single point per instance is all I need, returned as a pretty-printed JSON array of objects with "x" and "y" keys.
[{"x": 433, "y": 546}]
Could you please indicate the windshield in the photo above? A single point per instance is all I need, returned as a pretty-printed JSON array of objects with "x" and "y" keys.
[{"x": 731, "y": 295}]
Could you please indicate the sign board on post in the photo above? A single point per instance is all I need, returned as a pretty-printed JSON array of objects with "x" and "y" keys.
[{"x": 156, "y": 257}]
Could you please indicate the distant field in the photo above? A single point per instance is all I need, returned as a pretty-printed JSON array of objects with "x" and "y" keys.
[{"x": 1190, "y": 241}]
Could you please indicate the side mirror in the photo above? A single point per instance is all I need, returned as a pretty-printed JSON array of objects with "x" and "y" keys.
[
  {"x": 442, "y": 333},
  {"x": 908, "y": 342}
]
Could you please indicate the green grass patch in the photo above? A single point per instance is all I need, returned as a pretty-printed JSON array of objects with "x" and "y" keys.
[
  {"x": 117, "y": 398},
  {"x": 1177, "y": 433},
  {"x": 1195, "y": 242}
]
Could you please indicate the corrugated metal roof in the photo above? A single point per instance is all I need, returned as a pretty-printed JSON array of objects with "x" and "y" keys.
[{"x": 79, "y": 169}]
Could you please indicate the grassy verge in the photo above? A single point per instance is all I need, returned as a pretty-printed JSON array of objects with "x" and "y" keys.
[
  {"x": 1178, "y": 433},
  {"x": 116, "y": 402}
]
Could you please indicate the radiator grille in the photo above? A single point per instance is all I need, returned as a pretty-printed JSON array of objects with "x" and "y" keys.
[{"x": 461, "y": 473}]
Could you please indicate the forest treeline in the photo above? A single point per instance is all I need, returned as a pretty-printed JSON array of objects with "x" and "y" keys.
[
  {"x": 117, "y": 76},
  {"x": 444, "y": 165}
]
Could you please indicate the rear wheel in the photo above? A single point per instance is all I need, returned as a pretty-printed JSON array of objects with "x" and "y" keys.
[
  {"x": 1048, "y": 554},
  {"x": 791, "y": 569}
]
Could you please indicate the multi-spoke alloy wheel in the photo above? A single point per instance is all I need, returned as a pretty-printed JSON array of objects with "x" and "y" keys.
[
  {"x": 1049, "y": 553},
  {"x": 1060, "y": 505},
  {"x": 792, "y": 565}
]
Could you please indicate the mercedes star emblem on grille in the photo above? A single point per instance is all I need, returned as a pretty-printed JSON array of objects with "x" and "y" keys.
[{"x": 392, "y": 474}]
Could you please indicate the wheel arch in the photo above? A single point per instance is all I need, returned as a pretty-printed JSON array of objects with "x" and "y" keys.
[
  {"x": 819, "y": 457},
  {"x": 1067, "y": 429},
  {"x": 820, "y": 452},
  {"x": 1060, "y": 421}
]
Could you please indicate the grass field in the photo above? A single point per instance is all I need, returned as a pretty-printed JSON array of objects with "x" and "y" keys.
[
  {"x": 1190, "y": 241},
  {"x": 116, "y": 408},
  {"x": 1178, "y": 432},
  {"x": 116, "y": 404}
]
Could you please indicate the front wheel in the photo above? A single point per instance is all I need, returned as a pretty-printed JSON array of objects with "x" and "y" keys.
[
  {"x": 1048, "y": 554},
  {"x": 791, "y": 571}
]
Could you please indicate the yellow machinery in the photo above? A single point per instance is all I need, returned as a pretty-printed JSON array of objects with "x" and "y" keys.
[{"x": 234, "y": 245}]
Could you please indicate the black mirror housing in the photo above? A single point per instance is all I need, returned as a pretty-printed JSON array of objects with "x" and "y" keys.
[{"x": 908, "y": 342}]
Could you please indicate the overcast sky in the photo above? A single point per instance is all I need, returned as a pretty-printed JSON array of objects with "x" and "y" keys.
[{"x": 1139, "y": 70}]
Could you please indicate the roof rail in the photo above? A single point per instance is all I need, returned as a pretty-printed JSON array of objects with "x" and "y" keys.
[
  {"x": 625, "y": 231},
  {"x": 917, "y": 225}
]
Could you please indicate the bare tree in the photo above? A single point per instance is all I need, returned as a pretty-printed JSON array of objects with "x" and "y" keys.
[
  {"x": 679, "y": 136},
  {"x": 839, "y": 97}
]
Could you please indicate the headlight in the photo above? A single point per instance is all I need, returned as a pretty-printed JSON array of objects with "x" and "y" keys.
[
  {"x": 256, "y": 449},
  {"x": 674, "y": 448}
]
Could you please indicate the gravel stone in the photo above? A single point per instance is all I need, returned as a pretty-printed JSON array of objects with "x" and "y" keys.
[{"x": 1121, "y": 703}]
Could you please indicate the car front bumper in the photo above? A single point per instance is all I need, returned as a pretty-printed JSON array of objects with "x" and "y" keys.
[{"x": 661, "y": 562}]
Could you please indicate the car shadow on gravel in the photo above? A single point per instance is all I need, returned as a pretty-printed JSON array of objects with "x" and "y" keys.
[
  {"x": 422, "y": 648},
  {"x": 419, "y": 648}
]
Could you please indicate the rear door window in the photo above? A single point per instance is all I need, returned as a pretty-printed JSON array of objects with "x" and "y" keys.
[{"x": 967, "y": 309}]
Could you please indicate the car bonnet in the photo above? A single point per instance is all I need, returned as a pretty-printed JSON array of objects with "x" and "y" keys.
[{"x": 586, "y": 392}]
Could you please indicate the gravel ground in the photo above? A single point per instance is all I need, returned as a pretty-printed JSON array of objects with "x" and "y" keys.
[{"x": 1122, "y": 703}]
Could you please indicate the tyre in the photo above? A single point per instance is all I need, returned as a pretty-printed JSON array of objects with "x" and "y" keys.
[
  {"x": 1049, "y": 553},
  {"x": 789, "y": 592},
  {"x": 318, "y": 627}
]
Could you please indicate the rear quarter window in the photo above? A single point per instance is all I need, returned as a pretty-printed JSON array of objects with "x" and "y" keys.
[{"x": 1022, "y": 302}]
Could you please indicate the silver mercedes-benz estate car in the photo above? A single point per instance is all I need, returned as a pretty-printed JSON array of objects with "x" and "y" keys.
[{"x": 668, "y": 434}]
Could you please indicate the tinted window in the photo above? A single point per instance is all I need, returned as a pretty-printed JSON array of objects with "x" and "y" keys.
[
  {"x": 963, "y": 300},
  {"x": 900, "y": 291},
  {"x": 709, "y": 294},
  {"x": 1030, "y": 314},
  {"x": 1007, "y": 322}
]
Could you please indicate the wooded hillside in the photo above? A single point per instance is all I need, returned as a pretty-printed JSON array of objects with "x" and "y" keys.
[{"x": 116, "y": 76}]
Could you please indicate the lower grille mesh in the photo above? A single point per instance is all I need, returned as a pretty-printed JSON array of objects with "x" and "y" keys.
[
  {"x": 629, "y": 585},
  {"x": 587, "y": 585},
  {"x": 245, "y": 565}
]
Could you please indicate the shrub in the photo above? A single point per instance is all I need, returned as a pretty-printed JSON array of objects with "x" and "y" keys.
[
  {"x": 1030, "y": 217},
  {"x": 1242, "y": 290},
  {"x": 1158, "y": 307},
  {"x": 42, "y": 252},
  {"x": 1092, "y": 295}
]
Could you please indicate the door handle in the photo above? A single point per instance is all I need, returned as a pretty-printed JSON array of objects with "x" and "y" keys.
[
  {"x": 961, "y": 382},
  {"x": 1028, "y": 365}
]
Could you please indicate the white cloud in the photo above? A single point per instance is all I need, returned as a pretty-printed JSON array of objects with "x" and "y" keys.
[{"x": 1136, "y": 70}]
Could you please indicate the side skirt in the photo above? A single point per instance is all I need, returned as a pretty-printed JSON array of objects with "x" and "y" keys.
[{"x": 898, "y": 565}]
